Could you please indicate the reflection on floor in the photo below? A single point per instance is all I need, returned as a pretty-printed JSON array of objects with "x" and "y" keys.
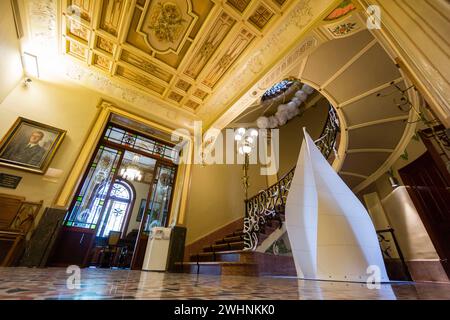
[{"x": 23, "y": 283}]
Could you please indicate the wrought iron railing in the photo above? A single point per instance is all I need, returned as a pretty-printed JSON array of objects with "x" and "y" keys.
[
  {"x": 389, "y": 246},
  {"x": 269, "y": 203},
  {"x": 328, "y": 139}
]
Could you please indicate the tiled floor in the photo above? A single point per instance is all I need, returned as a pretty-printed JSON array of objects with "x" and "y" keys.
[{"x": 23, "y": 283}]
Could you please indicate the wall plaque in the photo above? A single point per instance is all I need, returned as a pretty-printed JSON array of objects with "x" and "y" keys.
[{"x": 9, "y": 181}]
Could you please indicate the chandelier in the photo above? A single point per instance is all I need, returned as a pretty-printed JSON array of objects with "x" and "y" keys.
[
  {"x": 245, "y": 139},
  {"x": 132, "y": 172}
]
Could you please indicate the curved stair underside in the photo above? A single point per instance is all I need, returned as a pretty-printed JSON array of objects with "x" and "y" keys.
[{"x": 357, "y": 76}]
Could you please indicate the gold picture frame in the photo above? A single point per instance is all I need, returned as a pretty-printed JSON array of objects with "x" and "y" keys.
[{"x": 30, "y": 146}]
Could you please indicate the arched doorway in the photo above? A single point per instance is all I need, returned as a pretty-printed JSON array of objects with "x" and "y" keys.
[{"x": 118, "y": 208}]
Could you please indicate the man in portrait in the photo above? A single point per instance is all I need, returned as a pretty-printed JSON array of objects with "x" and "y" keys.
[{"x": 28, "y": 152}]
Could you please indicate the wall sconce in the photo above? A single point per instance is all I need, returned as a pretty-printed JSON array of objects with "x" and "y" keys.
[
  {"x": 30, "y": 65},
  {"x": 392, "y": 179},
  {"x": 27, "y": 82}
]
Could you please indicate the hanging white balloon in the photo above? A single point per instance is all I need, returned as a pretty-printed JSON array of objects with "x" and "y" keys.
[
  {"x": 301, "y": 95},
  {"x": 307, "y": 89},
  {"x": 262, "y": 122},
  {"x": 282, "y": 117},
  {"x": 273, "y": 122}
]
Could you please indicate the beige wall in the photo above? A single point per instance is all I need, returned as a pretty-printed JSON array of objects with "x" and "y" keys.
[
  {"x": 59, "y": 105},
  {"x": 291, "y": 135},
  {"x": 216, "y": 198},
  {"x": 10, "y": 63},
  {"x": 216, "y": 195}
]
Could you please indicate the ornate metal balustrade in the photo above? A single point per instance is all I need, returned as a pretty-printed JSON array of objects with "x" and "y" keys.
[
  {"x": 269, "y": 203},
  {"x": 391, "y": 250}
]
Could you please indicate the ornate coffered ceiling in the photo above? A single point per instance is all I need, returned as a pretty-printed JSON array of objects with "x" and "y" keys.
[{"x": 179, "y": 51}]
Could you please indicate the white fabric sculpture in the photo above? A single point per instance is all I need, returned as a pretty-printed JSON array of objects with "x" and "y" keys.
[{"x": 332, "y": 236}]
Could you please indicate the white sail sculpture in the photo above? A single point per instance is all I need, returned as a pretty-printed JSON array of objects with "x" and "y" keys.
[{"x": 332, "y": 236}]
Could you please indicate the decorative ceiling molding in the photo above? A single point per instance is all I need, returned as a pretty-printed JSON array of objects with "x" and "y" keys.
[
  {"x": 103, "y": 84},
  {"x": 178, "y": 51},
  {"x": 42, "y": 23},
  {"x": 238, "y": 92},
  {"x": 281, "y": 70}
]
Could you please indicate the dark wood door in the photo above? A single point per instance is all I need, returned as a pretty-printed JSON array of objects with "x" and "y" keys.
[
  {"x": 429, "y": 188},
  {"x": 71, "y": 247}
]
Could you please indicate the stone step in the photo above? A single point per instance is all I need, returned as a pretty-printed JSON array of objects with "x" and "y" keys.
[
  {"x": 240, "y": 262},
  {"x": 230, "y": 239},
  {"x": 224, "y": 247},
  {"x": 219, "y": 268},
  {"x": 235, "y": 233}
]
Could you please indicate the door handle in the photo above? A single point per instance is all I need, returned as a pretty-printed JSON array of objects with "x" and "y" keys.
[{"x": 82, "y": 238}]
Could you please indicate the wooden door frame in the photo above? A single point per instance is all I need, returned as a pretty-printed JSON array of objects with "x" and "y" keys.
[
  {"x": 106, "y": 110},
  {"x": 122, "y": 148}
]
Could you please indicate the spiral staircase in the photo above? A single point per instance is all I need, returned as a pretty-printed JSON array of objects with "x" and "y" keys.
[{"x": 368, "y": 91}]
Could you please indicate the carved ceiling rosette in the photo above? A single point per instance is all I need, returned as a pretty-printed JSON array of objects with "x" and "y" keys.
[{"x": 167, "y": 24}]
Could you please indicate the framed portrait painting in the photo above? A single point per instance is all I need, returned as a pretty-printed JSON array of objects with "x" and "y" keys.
[{"x": 30, "y": 146}]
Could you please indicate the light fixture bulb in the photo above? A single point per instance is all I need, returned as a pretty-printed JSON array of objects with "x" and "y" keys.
[
  {"x": 238, "y": 137},
  {"x": 241, "y": 131},
  {"x": 246, "y": 149},
  {"x": 249, "y": 140},
  {"x": 254, "y": 133}
]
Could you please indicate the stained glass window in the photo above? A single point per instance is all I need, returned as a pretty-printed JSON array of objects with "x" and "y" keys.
[
  {"x": 117, "y": 208},
  {"x": 91, "y": 198},
  {"x": 158, "y": 211},
  {"x": 278, "y": 89},
  {"x": 138, "y": 142}
]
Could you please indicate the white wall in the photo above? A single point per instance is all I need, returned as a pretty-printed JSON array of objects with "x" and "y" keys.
[{"x": 11, "y": 71}]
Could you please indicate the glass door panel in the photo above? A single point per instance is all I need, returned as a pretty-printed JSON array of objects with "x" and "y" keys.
[
  {"x": 90, "y": 200},
  {"x": 158, "y": 210}
]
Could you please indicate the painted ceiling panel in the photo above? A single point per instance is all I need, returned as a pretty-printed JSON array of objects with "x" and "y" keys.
[{"x": 175, "y": 50}]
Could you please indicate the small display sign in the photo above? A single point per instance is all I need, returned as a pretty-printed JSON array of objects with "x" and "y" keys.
[{"x": 9, "y": 181}]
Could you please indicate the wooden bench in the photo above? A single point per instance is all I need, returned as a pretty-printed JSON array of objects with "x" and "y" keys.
[{"x": 16, "y": 221}]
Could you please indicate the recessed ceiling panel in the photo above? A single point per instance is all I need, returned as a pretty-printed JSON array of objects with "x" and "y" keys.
[
  {"x": 351, "y": 181},
  {"x": 177, "y": 50},
  {"x": 364, "y": 163},
  {"x": 380, "y": 105},
  {"x": 336, "y": 53},
  {"x": 373, "y": 69},
  {"x": 380, "y": 136}
]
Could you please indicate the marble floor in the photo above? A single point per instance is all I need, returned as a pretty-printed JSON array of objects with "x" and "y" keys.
[{"x": 51, "y": 284}]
